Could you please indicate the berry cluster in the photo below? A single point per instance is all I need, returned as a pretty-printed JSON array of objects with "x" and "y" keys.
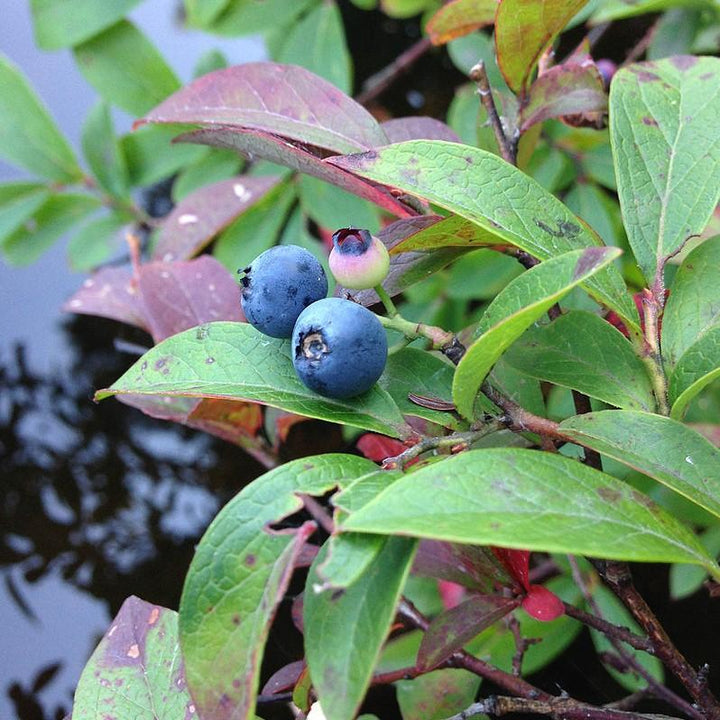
[{"x": 339, "y": 347}]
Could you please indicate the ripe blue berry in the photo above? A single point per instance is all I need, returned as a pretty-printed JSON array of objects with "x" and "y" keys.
[
  {"x": 339, "y": 348},
  {"x": 358, "y": 259},
  {"x": 279, "y": 284}
]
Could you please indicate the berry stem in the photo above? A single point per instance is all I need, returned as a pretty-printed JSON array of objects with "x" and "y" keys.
[
  {"x": 438, "y": 337},
  {"x": 386, "y": 300}
]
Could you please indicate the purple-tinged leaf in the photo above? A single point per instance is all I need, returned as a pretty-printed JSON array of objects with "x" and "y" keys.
[
  {"x": 136, "y": 671},
  {"x": 524, "y": 30},
  {"x": 180, "y": 295},
  {"x": 200, "y": 216},
  {"x": 472, "y": 566},
  {"x": 284, "y": 679},
  {"x": 418, "y": 127},
  {"x": 282, "y": 99},
  {"x": 110, "y": 293},
  {"x": 454, "y": 628},
  {"x": 256, "y": 145},
  {"x": 437, "y": 694},
  {"x": 406, "y": 268},
  {"x": 460, "y": 17},
  {"x": 573, "y": 88},
  {"x": 452, "y": 231}
]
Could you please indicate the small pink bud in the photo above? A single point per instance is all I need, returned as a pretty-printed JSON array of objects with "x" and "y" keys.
[
  {"x": 358, "y": 260},
  {"x": 542, "y": 604}
]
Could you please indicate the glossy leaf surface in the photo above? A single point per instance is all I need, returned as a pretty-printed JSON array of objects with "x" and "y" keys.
[
  {"x": 516, "y": 308},
  {"x": 281, "y": 99},
  {"x": 126, "y": 68},
  {"x": 235, "y": 361},
  {"x": 136, "y": 672},
  {"x": 344, "y": 635},
  {"x": 582, "y": 351},
  {"x": 28, "y": 135},
  {"x": 664, "y": 128},
  {"x": 666, "y": 450},
  {"x": 230, "y": 597},
  {"x": 530, "y": 500},
  {"x": 498, "y": 197},
  {"x": 436, "y": 695},
  {"x": 524, "y": 30},
  {"x": 698, "y": 367}
]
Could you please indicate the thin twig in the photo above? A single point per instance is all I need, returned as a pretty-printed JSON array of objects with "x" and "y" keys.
[
  {"x": 318, "y": 513},
  {"x": 378, "y": 83},
  {"x": 507, "y": 146}
]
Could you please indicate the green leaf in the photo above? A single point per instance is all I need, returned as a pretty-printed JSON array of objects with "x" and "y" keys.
[
  {"x": 688, "y": 579},
  {"x": 415, "y": 371},
  {"x": 217, "y": 165},
  {"x": 698, "y": 367},
  {"x": 53, "y": 219},
  {"x": 584, "y": 352},
  {"x": 248, "y": 17},
  {"x": 436, "y": 695},
  {"x": 617, "y": 9},
  {"x": 327, "y": 55},
  {"x": 60, "y": 24},
  {"x": 96, "y": 241},
  {"x": 498, "y": 197},
  {"x": 238, "y": 576},
  {"x": 693, "y": 306},
  {"x": 666, "y": 450},
  {"x": 201, "y": 13},
  {"x": 136, "y": 672},
  {"x": 458, "y": 18},
  {"x": 524, "y": 29},
  {"x": 348, "y": 557},
  {"x": 360, "y": 492},
  {"x": 151, "y": 155},
  {"x": 18, "y": 203},
  {"x": 530, "y": 500},
  {"x": 524, "y": 301},
  {"x": 102, "y": 151},
  {"x": 28, "y": 135},
  {"x": 481, "y": 275},
  {"x": 452, "y": 231},
  {"x": 235, "y": 361},
  {"x": 612, "y": 610},
  {"x": 665, "y": 130},
  {"x": 344, "y": 635},
  {"x": 332, "y": 207},
  {"x": 594, "y": 206},
  {"x": 208, "y": 62},
  {"x": 126, "y": 68}
]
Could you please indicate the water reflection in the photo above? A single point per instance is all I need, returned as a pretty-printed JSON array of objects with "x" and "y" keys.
[{"x": 97, "y": 502}]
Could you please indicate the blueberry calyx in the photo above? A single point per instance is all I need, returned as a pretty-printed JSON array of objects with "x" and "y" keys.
[{"x": 352, "y": 241}]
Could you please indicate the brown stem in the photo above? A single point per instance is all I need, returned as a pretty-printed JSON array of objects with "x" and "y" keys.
[
  {"x": 618, "y": 577},
  {"x": 582, "y": 407},
  {"x": 603, "y": 626},
  {"x": 382, "y": 80},
  {"x": 507, "y": 146}
]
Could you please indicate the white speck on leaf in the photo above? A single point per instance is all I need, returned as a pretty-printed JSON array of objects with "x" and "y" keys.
[
  {"x": 689, "y": 460},
  {"x": 241, "y": 192},
  {"x": 187, "y": 219}
]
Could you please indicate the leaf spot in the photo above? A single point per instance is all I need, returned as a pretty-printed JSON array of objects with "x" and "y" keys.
[
  {"x": 154, "y": 615},
  {"x": 134, "y": 651},
  {"x": 689, "y": 460},
  {"x": 649, "y": 121}
]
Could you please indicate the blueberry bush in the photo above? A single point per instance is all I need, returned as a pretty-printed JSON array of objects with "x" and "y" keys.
[{"x": 527, "y": 388}]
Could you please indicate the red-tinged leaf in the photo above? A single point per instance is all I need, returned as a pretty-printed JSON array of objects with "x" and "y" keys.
[
  {"x": 451, "y": 593},
  {"x": 136, "y": 671},
  {"x": 471, "y": 566},
  {"x": 453, "y": 629},
  {"x": 460, "y": 17},
  {"x": 200, "y": 216},
  {"x": 256, "y": 144},
  {"x": 452, "y": 231},
  {"x": 110, "y": 293},
  {"x": 284, "y": 679},
  {"x": 524, "y": 30},
  {"x": 542, "y": 604},
  {"x": 284, "y": 100},
  {"x": 418, "y": 127},
  {"x": 573, "y": 88},
  {"x": 284, "y": 423},
  {"x": 181, "y": 295},
  {"x": 409, "y": 267},
  {"x": 378, "y": 447},
  {"x": 517, "y": 563}
]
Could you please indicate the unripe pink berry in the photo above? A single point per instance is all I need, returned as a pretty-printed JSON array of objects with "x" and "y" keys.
[{"x": 358, "y": 260}]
